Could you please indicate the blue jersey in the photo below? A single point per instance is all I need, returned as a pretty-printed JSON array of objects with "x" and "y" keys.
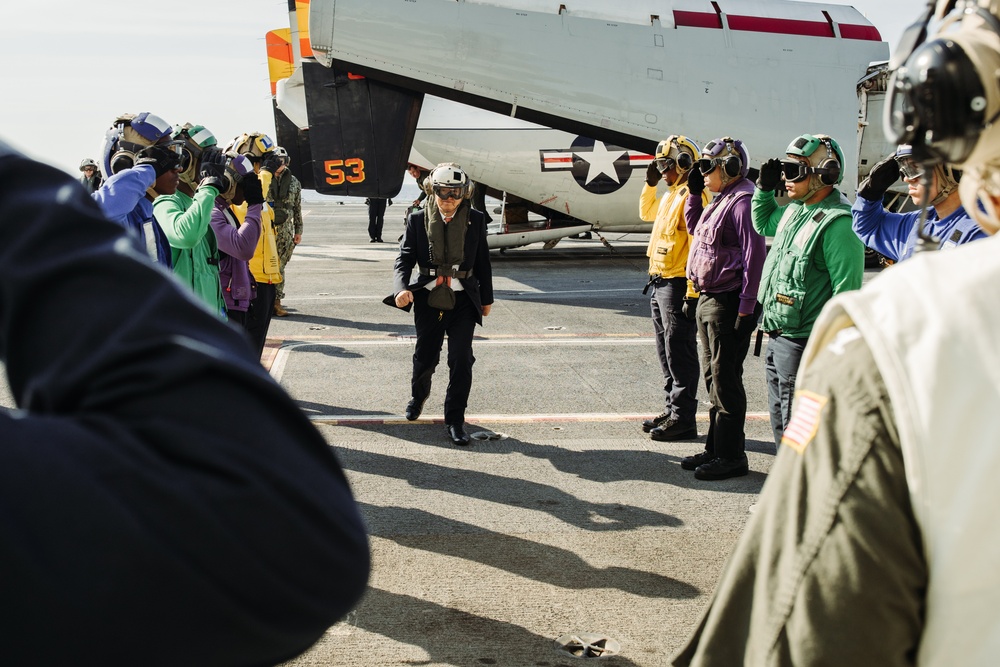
[
  {"x": 895, "y": 234},
  {"x": 123, "y": 199}
]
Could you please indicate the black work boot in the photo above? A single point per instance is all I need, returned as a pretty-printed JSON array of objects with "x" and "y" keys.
[
  {"x": 723, "y": 468},
  {"x": 692, "y": 462},
  {"x": 650, "y": 424},
  {"x": 674, "y": 429}
]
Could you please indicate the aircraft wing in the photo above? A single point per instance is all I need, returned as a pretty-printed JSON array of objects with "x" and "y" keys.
[{"x": 628, "y": 73}]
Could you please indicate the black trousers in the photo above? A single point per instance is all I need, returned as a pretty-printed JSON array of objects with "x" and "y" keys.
[
  {"x": 460, "y": 325},
  {"x": 722, "y": 355},
  {"x": 238, "y": 317},
  {"x": 676, "y": 347},
  {"x": 258, "y": 318},
  {"x": 376, "y": 218}
]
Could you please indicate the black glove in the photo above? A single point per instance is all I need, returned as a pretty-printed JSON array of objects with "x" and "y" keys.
[
  {"x": 252, "y": 191},
  {"x": 745, "y": 324},
  {"x": 696, "y": 182},
  {"x": 653, "y": 175},
  {"x": 881, "y": 176},
  {"x": 214, "y": 175},
  {"x": 162, "y": 159},
  {"x": 271, "y": 163},
  {"x": 770, "y": 175},
  {"x": 690, "y": 307}
]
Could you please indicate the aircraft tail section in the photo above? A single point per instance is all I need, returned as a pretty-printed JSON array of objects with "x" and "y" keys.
[
  {"x": 281, "y": 67},
  {"x": 360, "y": 131},
  {"x": 346, "y": 135},
  {"x": 296, "y": 142}
]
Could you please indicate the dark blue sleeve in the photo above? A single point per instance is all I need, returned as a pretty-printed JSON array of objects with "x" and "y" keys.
[{"x": 162, "y": 500}]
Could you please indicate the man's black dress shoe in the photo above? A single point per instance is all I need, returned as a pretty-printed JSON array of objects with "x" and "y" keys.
[
  {"x": 457, "y": 434},
  {"x": 414, "y": 408}
]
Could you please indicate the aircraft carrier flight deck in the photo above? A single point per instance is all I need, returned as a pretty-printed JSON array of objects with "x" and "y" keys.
[{"x": 562, "y": 519}]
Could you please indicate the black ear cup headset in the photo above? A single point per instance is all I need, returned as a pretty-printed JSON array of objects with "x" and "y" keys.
[
  {"x": 122, "y": 160},
  {"x": 830, "y": 166},
  {"x": 684, "y": 160},
  {"x": 733, "y": 165},
  {"x": 686, "y": 151}
]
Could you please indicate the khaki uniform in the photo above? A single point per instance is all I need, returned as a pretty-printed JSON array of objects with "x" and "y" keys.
[{"x": 806, "y": 585}]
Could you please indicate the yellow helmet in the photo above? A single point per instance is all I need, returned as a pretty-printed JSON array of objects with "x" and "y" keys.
[
  {"x": 676, "y": 152},
  {"x": 253, "y": 145}
]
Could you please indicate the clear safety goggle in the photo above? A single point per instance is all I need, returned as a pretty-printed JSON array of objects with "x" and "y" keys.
[
  {"x": 184, "y": 156},
  {"x": 446, "y": 192},
  {"x": 177, "y": 148},
  {"x": 664, "y": 164},
  {"x": 909, "y": 169}
]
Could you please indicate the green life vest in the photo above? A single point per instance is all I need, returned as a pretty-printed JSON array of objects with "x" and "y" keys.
[{"x": 783, "y": 288}]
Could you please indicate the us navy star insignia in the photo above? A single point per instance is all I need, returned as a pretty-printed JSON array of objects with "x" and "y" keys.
[
  {"x": 597, "y": 167},
  {"x": 601, "y": 161}
]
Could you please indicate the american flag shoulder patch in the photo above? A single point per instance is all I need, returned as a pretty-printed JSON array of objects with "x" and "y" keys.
[{"x": 805, "y": 420}]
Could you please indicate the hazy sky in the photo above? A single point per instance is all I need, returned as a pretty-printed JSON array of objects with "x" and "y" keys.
[{"x": 72, "y": 66}]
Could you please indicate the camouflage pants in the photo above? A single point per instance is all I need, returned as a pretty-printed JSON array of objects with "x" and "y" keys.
[{"x": 286, "y": 244}]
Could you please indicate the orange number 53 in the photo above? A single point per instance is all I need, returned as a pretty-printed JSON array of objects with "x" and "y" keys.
[{"x": 336, "y": 174}]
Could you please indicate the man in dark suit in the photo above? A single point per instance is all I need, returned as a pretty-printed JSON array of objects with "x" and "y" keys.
[{"x": 451, "y": 293}]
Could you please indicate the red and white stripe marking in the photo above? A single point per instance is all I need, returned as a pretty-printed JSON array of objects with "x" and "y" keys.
[{"x": 563, "y": 418}]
